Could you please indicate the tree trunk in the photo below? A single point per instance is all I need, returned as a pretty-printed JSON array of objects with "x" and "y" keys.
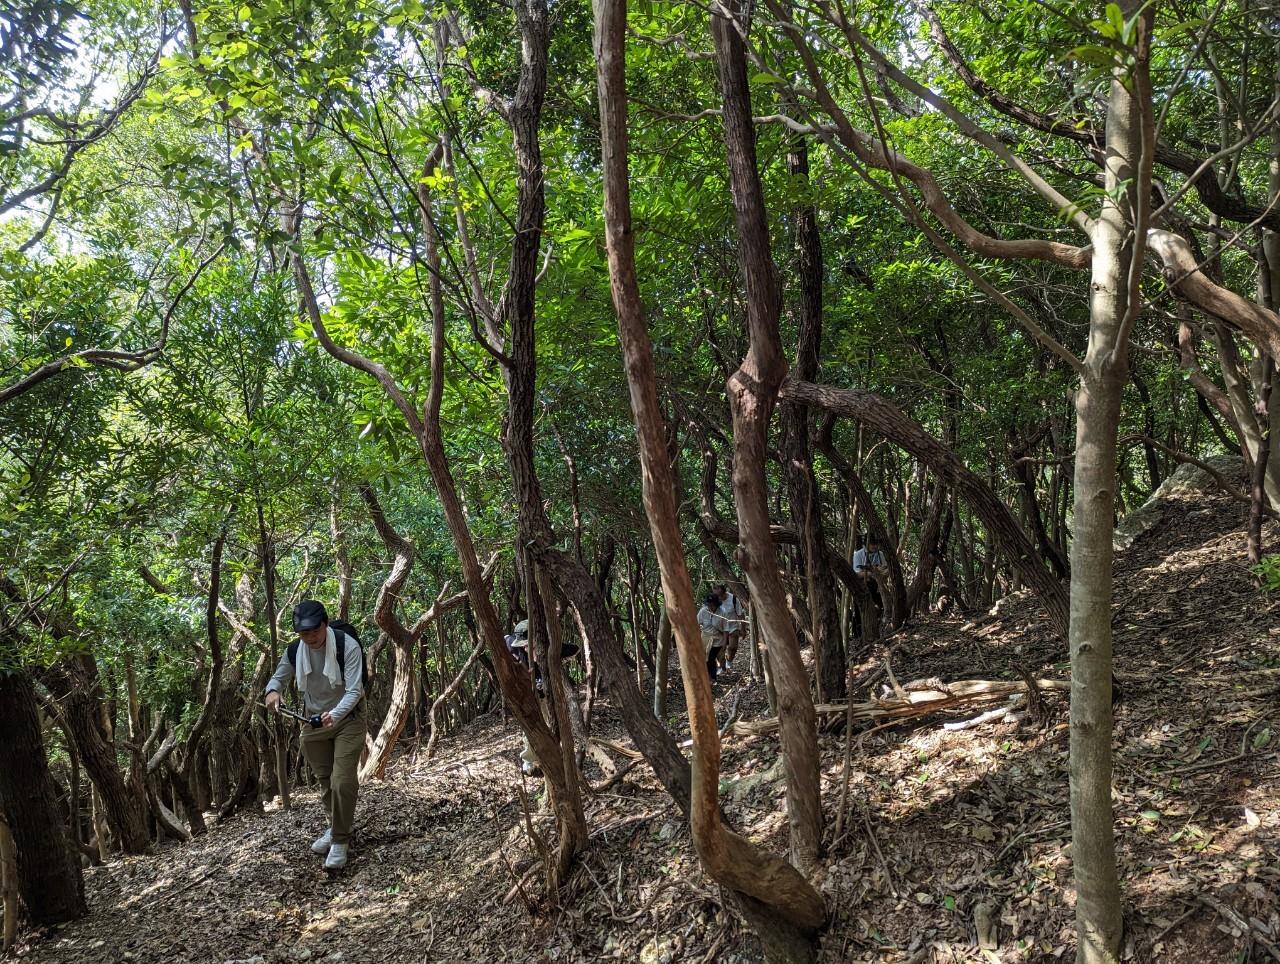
[
  {"x": 662, "y": 666},
  {"x": 48, "y": 870},
  {"x": 860, "y": 499},
  {"x": 930, "y": 540},
  {"x": 282, "y": 731},
  {"x": 74, "y": 685},
  {"x": 8, "y": 886},
  {"x": 192, "y": 750},
  {"x": 781, "y": 904},
  {"x": 1113, "y": 308},
  {"x": 384, "y": 616},
  {"x": 803, "y": 493},
  {"x": 753, "y": 392},
  {"x": 447, "y": 692}
]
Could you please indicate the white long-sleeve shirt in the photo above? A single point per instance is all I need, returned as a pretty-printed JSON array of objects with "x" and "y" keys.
[
  {"x": 710, "y": 623},
  {"x": 319, "y": 695},
  {"x": 863, "y": 560}
]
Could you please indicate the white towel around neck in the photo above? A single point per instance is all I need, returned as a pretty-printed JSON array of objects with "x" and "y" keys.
[{"x": 332, "y": 671}]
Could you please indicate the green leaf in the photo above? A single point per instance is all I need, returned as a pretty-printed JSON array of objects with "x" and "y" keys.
[
  {"x": 1092, "y": 54},
  {"x": 244, "y": 14}
]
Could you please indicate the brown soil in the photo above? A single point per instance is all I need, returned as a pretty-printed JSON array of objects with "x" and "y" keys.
[{"x": 940, "y": 825}]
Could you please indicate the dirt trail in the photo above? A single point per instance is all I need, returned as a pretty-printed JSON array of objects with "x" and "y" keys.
[{"x": 945, "y": 827}]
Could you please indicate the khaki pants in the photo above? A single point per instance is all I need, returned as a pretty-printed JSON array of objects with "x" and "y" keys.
[{"x": 334, "y": 757}]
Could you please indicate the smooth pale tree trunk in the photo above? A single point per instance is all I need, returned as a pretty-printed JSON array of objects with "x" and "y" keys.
[
  {"x": 1114, "y": 305},
  {"x": 47, "y": 869},
  {"x": 753, "y": 394},
  {"x": 774, "y": 896}
]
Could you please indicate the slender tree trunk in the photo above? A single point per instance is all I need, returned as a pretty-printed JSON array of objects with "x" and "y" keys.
[
  {"x": 384, "y": 616},
  {"x": 47, "y": 869},
  {"x": 781, "y": 904},
  {"x": 753, "y": 392},
  {"x": 1258, "y": 482},
  {"x": 930, "y": 540},
  {"x": 1113, "y": 308},
  {"x": 281, "y": 730},
  {"x": 192, "y": 759},
  {"x": 803, "y": 493},
  {"x": 662, "y": 666},
  {"x": 447, "y": 692},
  {"x": 8, "y": 886},
  {"x": 74, "y": 683},
  {"x": 515, "y": 685}
]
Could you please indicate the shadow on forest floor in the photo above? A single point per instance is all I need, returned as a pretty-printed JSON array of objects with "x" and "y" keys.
[{"x": 938, "y": 821}]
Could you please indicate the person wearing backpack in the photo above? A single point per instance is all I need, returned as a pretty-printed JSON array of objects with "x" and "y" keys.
[{"x": 326, "y": 664}]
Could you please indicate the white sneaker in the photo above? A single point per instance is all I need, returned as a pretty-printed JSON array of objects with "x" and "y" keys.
[
  {"x": 337, "y": 858},
  {"x": 322, "y": 843}
]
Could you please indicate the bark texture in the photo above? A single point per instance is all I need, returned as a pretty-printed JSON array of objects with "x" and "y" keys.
[
  {"x": 777, "y": 899},
  {"x": 753, "y": 393},
  {"x": 48, "y": 869}
]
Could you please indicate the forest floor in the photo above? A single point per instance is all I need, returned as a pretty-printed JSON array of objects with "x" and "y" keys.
[{"x": 945, "y": 827}]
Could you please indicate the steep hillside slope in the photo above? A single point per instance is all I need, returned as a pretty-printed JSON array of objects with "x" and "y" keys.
[{"x": 949, "y": 834}]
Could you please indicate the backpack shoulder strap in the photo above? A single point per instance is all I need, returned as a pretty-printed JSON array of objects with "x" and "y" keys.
[
  {"x": 341, "y": 639},
  {"x": 292, "y": 652}
]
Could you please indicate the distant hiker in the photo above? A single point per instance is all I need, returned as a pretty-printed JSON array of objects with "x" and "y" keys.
[
  {"x": 333, "y": 689},
  {"x": 712, "y": 625},
  {"x": 518, "y": 647},
  {"x": 868, "y": 556},
  {"x": 869, "y": 563},
  {"x": 518, "y": 643},
  {"x": 734, "y": 623}
]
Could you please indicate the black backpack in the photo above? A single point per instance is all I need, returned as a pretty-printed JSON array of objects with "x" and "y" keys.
[{"x": 341, "y": 632}]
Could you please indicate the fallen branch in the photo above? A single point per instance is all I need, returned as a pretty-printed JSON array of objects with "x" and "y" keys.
[{"x": 911, "y": 704}]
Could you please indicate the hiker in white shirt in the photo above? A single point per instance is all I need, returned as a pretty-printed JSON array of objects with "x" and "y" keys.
[
  {"x": 868, "y": 562},
  {"x": 712, "y": 625},
  {"x": 332, "y": 688},
  {"x": 734, "y": 624}
]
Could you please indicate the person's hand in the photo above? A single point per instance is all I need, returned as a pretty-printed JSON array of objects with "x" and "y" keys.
[
  {"x": 327, "y": 720},
  {"x": 273, "y": 701}
]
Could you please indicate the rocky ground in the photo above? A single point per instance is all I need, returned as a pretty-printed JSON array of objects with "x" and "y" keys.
[{"x": 947, "y": 835}]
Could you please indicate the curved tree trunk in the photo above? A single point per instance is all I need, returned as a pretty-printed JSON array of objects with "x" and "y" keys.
[
  {"x": 930, "y": 540},
  {"x": 74, "y": 684},
  {"x": 445, "y": 694},
  {"x": 782, "y": 905},
  {"x": 753, "y": 393},
  {"x": 48, "y": 870},
  {"x": 384, "y": 616},
  {"x": 883, "y": 416}
]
